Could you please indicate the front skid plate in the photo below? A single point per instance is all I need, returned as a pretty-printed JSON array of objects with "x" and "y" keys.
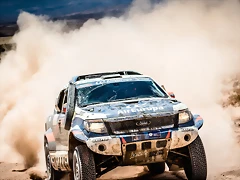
[
  {"x": 141, "y": 154},
  {"x": 113, "y": 145}
]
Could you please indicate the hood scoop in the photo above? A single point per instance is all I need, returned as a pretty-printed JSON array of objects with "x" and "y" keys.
[
  {"x": 131, "y": 102},
  {"x": 173, "y": 100}
]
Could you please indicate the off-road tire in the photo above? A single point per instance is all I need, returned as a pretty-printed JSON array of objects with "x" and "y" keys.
[
  {"x": 51, "y": 172},
  {"x": 69, "y": 116},
  {"x": 156, "y": 168},
  {"x": 70, "y": 106},
  {"x": 83, "y": 162},
  {"x": 196, "y": 167}
]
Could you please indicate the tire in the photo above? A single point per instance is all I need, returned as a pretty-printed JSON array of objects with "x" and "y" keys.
[
  {"x": 156, "y": 168},
  {"x": 52, "y": 174},
  {"x": 83, "y": 164},
  {"x": 69, "y": 116},
  {"x": 196, "y": 167},
  {"x": 70, "y": 106}
]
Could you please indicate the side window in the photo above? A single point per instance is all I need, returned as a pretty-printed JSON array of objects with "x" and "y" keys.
[{"x": 60, "y": 102}]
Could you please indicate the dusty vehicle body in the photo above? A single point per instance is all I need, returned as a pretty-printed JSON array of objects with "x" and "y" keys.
[{"x": 105, "y": 120}]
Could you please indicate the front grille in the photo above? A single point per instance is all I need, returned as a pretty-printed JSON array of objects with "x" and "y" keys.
[{"x": 140, "y": 125}]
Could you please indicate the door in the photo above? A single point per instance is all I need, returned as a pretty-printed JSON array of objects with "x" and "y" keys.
[{"x": 61, "y": 134}]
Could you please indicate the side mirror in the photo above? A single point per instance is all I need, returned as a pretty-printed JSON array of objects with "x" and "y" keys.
[
  {"x": 64, "y": 109},
  {"x": 171, "y": 94},
  {"x": 162, "y": 86}
]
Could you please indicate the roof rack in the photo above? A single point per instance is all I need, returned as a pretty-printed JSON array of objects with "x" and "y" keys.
[{"x": 98, "y": 75}]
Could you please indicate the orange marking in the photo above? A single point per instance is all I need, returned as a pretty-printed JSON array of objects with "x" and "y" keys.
[
  {"x": 123, "y": 140},
  {"x": 168, "y": 134},
  {"x": 50, "y": 137}
]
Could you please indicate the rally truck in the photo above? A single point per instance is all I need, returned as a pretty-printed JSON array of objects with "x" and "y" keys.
[{"x": 123, "y": 118}]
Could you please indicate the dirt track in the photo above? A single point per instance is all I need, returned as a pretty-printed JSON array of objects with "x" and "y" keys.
[
  {"x": 9, "y": 171},
  {"x": 196, "y": 41},
  {"x": 12, "y": 171}
]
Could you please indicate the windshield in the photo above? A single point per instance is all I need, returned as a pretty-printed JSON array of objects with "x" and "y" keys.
[{"x": 118, "y": 91}]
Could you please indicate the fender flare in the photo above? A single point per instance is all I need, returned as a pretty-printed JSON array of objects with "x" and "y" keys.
[
  {"x": 198, "y": 121},
  {"x": 50, "y": 139},
  {"x": 79, "y": 136}
]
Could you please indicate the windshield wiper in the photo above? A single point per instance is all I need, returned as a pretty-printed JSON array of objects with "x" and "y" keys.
[
  {"x": 134, "y": 98},
  {"x": 115, "y": 100},
  {"x": 124, "y": 99}
]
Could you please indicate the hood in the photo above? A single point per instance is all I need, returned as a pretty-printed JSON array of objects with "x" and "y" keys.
[{"x": 131, "y": 108}]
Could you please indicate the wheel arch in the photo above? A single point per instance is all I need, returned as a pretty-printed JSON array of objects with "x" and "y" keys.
[
  {"x": 50, "y": 139},
  {"x": 198, "y": 121},
  {"x": 73, "y": 142}
]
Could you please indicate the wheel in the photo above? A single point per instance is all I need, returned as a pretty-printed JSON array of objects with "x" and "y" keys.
[
  {"x": 52, "y": 174},
  {"x": 196, "y": 166},
  {"x": 70, "y": 106},
  {"x": 83, "y": 164},
  {"x": 156, "y": 168}
]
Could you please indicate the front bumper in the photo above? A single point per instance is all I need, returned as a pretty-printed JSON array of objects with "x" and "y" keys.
[{"x": 144, "y": 144}]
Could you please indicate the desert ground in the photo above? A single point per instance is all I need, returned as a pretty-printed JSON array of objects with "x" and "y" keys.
[
  {"x": 14, "y": 171},
  {"x": 190, "y": 47}
]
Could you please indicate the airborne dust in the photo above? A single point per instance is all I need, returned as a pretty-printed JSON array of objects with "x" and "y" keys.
[{"x": 189, "y": 46}]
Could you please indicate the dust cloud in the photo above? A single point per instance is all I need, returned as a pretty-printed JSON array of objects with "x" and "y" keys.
[{"x": 189, "y": 46}]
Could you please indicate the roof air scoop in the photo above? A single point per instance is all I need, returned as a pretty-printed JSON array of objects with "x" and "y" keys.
[{"x": 111, "y": 76}]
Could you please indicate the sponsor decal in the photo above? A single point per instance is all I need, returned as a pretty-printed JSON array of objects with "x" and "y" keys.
[
  {"x": 157, "y": 134},
  {"x": 134, "y": 110},
  {"x": 135, "y": 138},
  {"x": 100, "y": 139},
  {"x": 138, "y": 154},
  {"x": 134, "y": 155},
  {"x": 59, "y": 160},
  {"x": 155, "y": 153},
  {"x": 186, "y": 129},
  {"x": 139, "y": 137},
  {"x": 143, "y": 123},
  {"x": 120, "y": 80}
]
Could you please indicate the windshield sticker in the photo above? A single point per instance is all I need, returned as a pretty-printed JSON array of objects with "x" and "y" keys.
[
  {"x": 87, "y": 85},
  {"x": 121, "y": 80},
  {"x": 106, "y": 81}
]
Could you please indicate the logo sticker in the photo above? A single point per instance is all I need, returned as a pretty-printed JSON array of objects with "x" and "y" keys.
[{"x": 143, "y": 123}]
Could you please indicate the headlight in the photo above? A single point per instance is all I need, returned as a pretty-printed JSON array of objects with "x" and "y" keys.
[
  {"x": 96, "y": 126},
  {"x": 184, "y": 117}
]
